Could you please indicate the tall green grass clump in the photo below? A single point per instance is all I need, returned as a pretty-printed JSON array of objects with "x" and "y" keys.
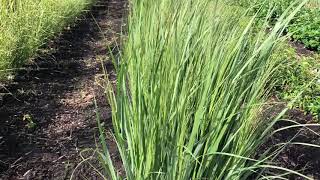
[
  {"x": 190, "y": 89},
  {"x": 25, "y": 25}
]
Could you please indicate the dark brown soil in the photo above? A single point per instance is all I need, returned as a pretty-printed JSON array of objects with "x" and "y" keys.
[
  {"x": 301, "y": 49},
  {"x": 300, "y": 158},
  {"x": 56, "y": 92}
]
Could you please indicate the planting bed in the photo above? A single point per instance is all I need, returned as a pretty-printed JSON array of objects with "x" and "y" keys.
[
  {"x": 303, "y": 159},
  {"x": 56, "y": 93},
  {"x": 48, "y": 115}
]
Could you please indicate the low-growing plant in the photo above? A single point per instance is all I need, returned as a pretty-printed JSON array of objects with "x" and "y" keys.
[
  {"x": 306, "y": 28},
  {"x": 297, "y": 74},
  {"x": 190, "y": 89},
  {"x": 29, "y": 120}
]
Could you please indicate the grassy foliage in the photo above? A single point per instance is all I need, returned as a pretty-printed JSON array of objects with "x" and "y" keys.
[
  {"x": 190, "y": 91},
  {"x": 26, "y": 24}
]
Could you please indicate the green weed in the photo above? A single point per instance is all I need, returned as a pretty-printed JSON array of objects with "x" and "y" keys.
[
  {"x": 297, "y": 74},
  {"x": 29, "y": 120},
  {"x": 304, "y": 28}
]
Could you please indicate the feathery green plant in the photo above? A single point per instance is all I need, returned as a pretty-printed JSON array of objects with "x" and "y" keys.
[
  {"x": 25, "y": 25},
  {"x": 190, "y": 91}
]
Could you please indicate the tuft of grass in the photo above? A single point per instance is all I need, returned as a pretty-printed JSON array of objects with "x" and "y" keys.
[
  {"x": 25, "y": 25},
  {"x": 190, "y": 89}
]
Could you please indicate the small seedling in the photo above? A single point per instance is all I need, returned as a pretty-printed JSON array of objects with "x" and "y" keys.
[{"x": 30, "y": 123}]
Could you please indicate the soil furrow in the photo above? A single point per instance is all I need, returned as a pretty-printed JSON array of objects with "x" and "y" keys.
[{"x": 48, "y": 116}]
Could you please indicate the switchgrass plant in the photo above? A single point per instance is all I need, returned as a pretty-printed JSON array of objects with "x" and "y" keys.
[
  {"x": 25, "y": 25},
  {"x": 191, "y": 85}
]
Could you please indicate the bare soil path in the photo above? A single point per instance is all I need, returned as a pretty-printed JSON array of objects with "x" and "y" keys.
[{"x": 56, "y": 92}]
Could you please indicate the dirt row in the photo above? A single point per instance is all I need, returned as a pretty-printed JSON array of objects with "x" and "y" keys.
[{"x": 47, "y": 115}]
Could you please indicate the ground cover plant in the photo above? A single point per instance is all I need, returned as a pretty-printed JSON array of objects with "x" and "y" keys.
[
  {"x": 25, "y": 25},
  {"x": 297, "y": 74},
  {"x": 191, "y": 84},
  {"x": 304, "y": 27}
]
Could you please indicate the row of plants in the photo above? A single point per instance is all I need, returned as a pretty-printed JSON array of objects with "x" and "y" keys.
[
  {"x": 191, "y": 86},
  {"x": 304, "y": 27},
  {"x": 25, "y": 25}
]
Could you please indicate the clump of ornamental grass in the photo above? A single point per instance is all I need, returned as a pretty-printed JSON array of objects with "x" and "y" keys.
[
  {"x": 191, "y": 84},
  {"x": 25, "y": 25}
]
